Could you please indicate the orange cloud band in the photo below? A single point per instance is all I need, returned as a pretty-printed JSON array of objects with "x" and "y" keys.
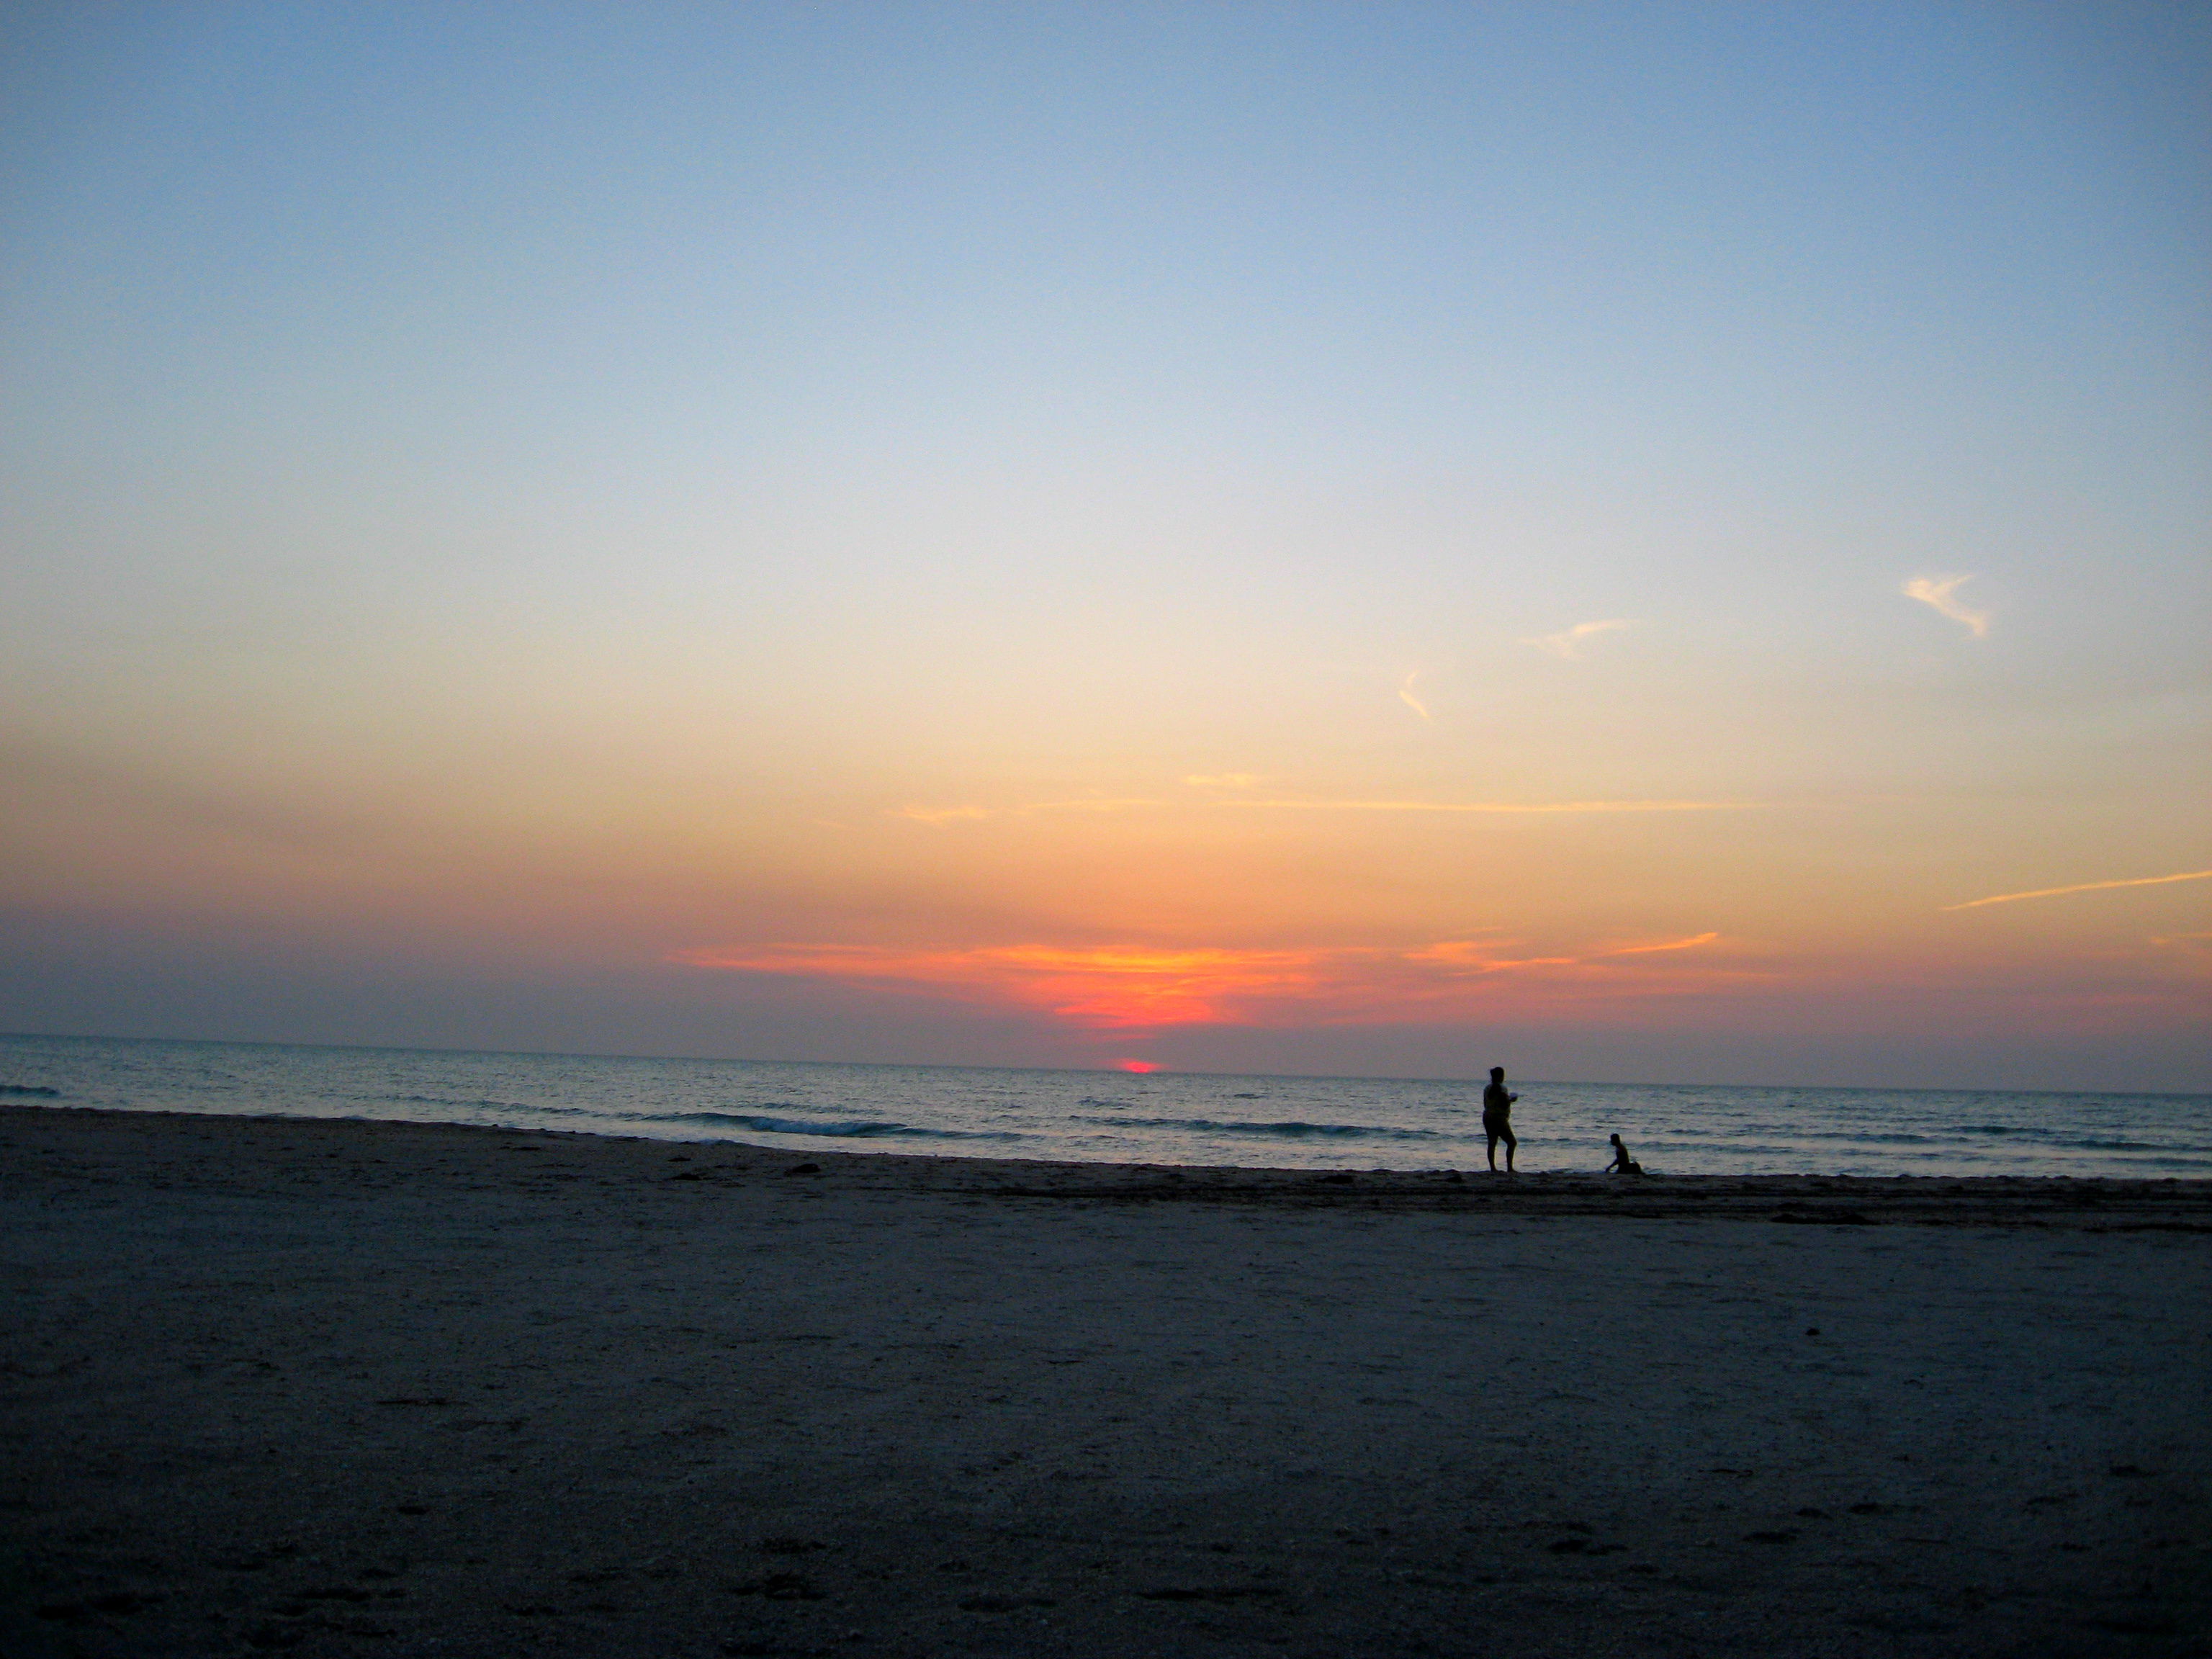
[{"x": 1132, "y": 988}]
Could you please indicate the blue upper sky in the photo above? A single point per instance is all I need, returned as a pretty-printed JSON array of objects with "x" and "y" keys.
[{"x": 826, "y": 410}]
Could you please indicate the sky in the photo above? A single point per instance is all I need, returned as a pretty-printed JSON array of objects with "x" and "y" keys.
[{"x": 1636, "y": 542}]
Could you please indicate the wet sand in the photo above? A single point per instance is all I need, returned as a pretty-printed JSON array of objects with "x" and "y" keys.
[{"x": 353, "y": 1388}]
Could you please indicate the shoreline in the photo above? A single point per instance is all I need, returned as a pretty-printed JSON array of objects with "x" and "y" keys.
[
  {"x": 342, "y": 1386},
  {"x": 2092, "y": 1203},
  {"x": 1166, "y": 1119}
]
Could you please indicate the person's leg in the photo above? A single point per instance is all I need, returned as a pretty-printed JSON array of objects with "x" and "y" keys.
[
  {"x": 1507, "y": 1135},
  {"x": 1492, "y": 1133}
]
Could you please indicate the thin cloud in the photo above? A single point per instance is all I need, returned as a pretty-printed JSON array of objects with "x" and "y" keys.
[
  {"x": 1501, "y": 806},
  {"x": 1939, "y": 592},
  {"x": 1474, "y": 956},
  {"x": 1671, "y": 944},
  {"x": 938, "y": 814},
  {"x": 1569, "y": 643},
  {"x": 2081, "y": 887},
  {"x": 1406, "y": 694},
  {"x": 1225, "y": 781}
]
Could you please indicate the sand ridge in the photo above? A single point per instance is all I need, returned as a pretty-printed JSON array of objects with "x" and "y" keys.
[{"x": 350, "y": 1387}]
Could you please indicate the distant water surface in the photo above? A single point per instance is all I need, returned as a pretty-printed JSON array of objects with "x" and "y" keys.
[{"x": 1300, "y": 1122}]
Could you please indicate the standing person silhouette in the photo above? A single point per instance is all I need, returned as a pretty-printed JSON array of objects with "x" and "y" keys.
[{"x": 1498, "y": 1118}]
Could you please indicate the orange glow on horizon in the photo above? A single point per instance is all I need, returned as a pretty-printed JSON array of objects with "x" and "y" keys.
[
  {"x": 1139, "y": 1066},
  {"x": 1135, "y": 989}
]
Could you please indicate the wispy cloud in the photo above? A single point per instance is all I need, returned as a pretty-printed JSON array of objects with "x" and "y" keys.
[
  {"x": 2081, "y": 887},
  {"x": 1224, "y": 781},
  {"x": 1569, "y": 643},
  {"x": 1941, "y": 593},
  {"x": 1691, "y": 943},
  {"x": 1501, "y": 806},
  {"x": 1474, "y": 956},
  {"x": 1406, "y": 694},
  {"x": 938, "y": 814}
]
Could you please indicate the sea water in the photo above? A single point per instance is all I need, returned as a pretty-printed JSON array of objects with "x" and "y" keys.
[{"x": 1275, "y": 1122}]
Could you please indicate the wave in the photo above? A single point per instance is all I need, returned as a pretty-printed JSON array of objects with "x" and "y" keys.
[
  {"x": 799, "y": 1125},
  {"x": 758, "y": 1121},
  {"x": 1289, "y": 1131},
  {"x": 38, "y": 1089},
  {"x": 602, "y": 1114},
  {"x": 477, "y": 1105}
]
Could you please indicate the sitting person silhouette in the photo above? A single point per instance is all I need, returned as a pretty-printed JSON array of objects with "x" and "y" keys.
[{"x": 1622, "y": 1164}]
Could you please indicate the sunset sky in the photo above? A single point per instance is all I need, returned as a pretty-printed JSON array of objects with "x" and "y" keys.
[{"x": 1636, "y": 542}]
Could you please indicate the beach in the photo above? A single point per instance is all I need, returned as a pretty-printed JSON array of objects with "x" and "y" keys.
[{"x": 341, "y": 1386}]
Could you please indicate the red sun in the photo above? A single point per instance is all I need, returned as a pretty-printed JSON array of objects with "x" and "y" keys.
[{"x": 1139, "y": 1066}]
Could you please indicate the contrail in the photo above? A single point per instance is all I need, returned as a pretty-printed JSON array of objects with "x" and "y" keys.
[{"x": 2082, "y": 887}]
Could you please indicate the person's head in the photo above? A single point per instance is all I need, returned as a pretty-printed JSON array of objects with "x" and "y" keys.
[
  {"x": 1497, "y": 1074},
  {"x": 1616, "y": 1140}
]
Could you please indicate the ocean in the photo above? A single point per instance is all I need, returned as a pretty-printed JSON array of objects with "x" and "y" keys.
[{"x": 1295, "y": 1122}]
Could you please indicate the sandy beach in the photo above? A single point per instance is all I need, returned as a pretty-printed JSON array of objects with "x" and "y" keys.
[{"x": 358, "y": 1388}]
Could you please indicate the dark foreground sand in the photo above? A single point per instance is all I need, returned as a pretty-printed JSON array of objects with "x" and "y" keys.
[{"x": 348, "y": 1388}]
